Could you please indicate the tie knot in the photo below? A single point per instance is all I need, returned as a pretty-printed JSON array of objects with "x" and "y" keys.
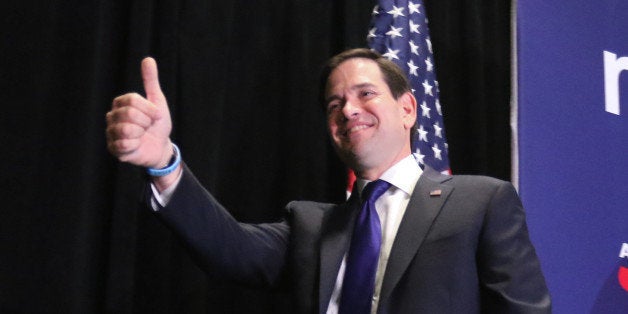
[{"x": 373, "y": 190}]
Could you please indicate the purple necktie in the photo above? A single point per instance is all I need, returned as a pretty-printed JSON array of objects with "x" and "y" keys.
[{"x": 359, "y": 280}]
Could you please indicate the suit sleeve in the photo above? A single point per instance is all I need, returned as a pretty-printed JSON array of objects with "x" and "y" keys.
[
  {"x": 251, "y": 254},
  {"x": 509, "y": 269}
]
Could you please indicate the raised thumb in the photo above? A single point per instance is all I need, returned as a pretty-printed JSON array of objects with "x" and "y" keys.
[{"x": 150, "y": 77}]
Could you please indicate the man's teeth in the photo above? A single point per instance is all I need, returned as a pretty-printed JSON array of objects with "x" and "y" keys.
[{"x": 357, "y": 128}]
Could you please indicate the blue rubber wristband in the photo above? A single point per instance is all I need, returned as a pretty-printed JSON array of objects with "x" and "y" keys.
[{"x": 172, "y": 166}]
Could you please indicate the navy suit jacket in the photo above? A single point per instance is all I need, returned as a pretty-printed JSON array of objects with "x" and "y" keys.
[{"x": 462, "y": 247}]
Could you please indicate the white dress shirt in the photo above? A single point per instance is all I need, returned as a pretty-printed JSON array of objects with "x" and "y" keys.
[{"x": 390, "y": 208}]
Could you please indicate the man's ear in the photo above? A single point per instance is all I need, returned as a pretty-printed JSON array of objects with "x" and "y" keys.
[{"x": 408, "y": 109}]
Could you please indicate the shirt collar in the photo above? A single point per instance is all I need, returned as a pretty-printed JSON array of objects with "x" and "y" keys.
[{"x": 403, "y": 175}]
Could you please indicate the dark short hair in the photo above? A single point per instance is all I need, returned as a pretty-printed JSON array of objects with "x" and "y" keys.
[{"x": 393, "y": 76}]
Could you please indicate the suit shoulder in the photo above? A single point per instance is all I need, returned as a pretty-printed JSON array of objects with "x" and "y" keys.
[
  {"x": 464, "y": 179},
  {"x": 478, "y": 180},
  {"x": 306, "y": 219},
  {"x": 477, "y": 184}
]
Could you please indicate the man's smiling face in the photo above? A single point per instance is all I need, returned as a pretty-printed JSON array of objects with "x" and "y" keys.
[{"x": 370, "y": 129}]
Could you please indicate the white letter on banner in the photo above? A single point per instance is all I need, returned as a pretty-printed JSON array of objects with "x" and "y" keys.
[
  {"x": 624, "y": 251},
  {"x": 612, "y": 68}
]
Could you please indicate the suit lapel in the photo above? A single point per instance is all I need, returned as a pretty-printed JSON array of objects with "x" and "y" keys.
[
  {"x": 425, "y": 203},
  {"x": 336, "y": 235}
]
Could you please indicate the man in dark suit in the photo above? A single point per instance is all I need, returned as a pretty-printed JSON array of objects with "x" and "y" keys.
[{"x": 444, "y": 244}]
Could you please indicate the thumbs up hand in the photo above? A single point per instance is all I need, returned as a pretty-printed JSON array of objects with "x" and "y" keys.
[{"x": 138, "y": 128}]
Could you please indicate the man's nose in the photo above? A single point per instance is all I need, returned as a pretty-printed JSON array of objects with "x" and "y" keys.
[{"x": 351, "y": 109}]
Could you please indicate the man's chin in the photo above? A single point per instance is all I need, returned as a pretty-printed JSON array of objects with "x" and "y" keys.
[{"x": 356, "y": 159}]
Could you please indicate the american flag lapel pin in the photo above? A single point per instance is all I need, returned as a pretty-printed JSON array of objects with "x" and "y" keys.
[{"x": 436, "y": 192}]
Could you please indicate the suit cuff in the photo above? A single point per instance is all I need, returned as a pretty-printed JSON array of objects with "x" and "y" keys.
[{"x": 159, "y": 200}]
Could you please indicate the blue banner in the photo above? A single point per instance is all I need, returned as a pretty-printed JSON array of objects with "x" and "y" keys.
[{"x": 572, "y": 64}]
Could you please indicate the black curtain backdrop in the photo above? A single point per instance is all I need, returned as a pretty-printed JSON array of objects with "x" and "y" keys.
[{"x": 241, "y": 79}]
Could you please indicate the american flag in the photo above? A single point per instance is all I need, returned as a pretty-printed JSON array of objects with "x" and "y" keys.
[{"x": 399, "y": 32}]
